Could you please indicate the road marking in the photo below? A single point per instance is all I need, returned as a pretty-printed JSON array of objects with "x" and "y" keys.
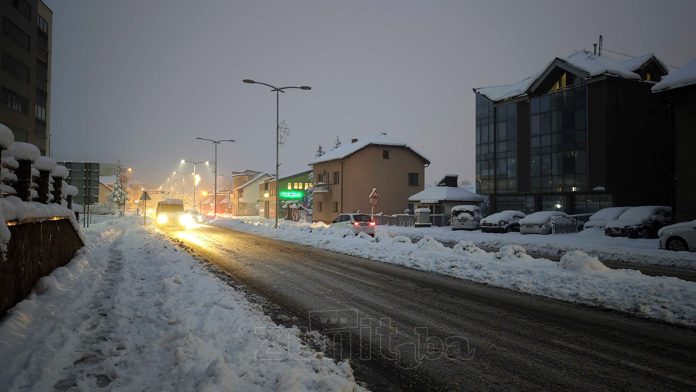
[{"x": 634, "y": 365}]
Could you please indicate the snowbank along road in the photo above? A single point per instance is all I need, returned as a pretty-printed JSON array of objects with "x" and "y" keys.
[{"x": 407, "y": 329}]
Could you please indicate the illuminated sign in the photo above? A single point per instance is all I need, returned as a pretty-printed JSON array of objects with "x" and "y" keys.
[{"x": 291, "y": 195}]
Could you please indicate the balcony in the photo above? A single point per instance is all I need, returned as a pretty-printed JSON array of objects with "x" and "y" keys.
[{"x": 321, "y": 188}]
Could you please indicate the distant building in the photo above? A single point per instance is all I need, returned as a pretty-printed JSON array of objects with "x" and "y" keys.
[
  {"x": 441, "y": 198},
  {"x": 293, "y": 188},
  {"x": 25, "y": 70},
  {"x": 345, "y": 177},
  {"x": 679, "y": 90},
  {"x": 245, "y": 197},
  {"x": 583, "y": 134}
]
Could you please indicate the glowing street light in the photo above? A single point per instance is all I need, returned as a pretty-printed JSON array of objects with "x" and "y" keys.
[
  {"x": 196, "y": 177},
  {"x": 215, "y": 144}
]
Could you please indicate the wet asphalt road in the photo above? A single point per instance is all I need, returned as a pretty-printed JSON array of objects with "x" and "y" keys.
[{"x": 410, "y": 330}]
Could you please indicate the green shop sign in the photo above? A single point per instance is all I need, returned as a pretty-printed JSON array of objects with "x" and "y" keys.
[{"x": 291, "y": 195}]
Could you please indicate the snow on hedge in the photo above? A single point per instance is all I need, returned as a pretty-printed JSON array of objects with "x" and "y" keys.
[
  {"x": 45, "y": 164},
  {"x": 60, "y": 171},
  {"x": 9, "y": 161},
  {"x": 133, "y": 313},
  {"x": 6, "y": 136},
  {"x": 24, "y": 151},
  {"x": 13, "y": 208},
  {"x": 579, "y": 278}
]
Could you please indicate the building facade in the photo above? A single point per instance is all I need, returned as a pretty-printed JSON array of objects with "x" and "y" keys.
[
  {"x": 678, "y": 90},
  {"x": 345, "y": 177},
  {"x": 245, "y": 198},
  {"x": 25, "y": 70},
  {"x": 293, "y": 188},
  {"x": 582, "y": 135}
]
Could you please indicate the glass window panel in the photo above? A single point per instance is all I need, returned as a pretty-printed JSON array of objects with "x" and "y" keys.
[
  {"x": 536, "y": 124},
  {"x": 546, "y": 140},
  {"x": 512, "y": 111},
  {"x": 545, "y": 123},
  {"x": 580, "y": 119},
  {"x": 545, "y": 103},
  {"x": 581, "y": 161},
  {"x": 502, "y": 131},
  {"x": 536, "y": 141},
  {"x": 501, "y": 113},
  {"x": 535, "y": 105}
]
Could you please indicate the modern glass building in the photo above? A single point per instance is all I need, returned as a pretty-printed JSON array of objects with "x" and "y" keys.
[{"x": 582, "y": 135}]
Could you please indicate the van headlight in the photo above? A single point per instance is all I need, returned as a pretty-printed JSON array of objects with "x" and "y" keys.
[
  {"x": 162, "y": 219},
  {"x": 186, "y": 220}
]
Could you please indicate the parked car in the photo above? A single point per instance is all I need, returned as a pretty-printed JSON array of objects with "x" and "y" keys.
[
  {"x": 170, "y": 212},
  {"x": 195, "y": 215},
  {"x": 502, "y": 222},
  {"x": 356, "y": 222},
  {"x": 600, "y": 218},
  {"x": 547, "y": 222},
  {"x": 678, "y": 237},
  {"x": 642, "y": 222},
  {"x": 466, "y": 217}
]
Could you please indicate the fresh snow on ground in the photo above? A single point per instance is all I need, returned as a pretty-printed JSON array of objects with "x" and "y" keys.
[
  {"x": 133, "y": 312},
  {"x": 579, "y": 277}
]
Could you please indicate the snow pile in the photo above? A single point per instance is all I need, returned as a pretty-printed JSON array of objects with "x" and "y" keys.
[
  {"x": 580, "y": 261},
  {"x": 24, "y": 151},
  {"x": 132, "y": 312},
  {"x": 6, "y": 136},
  {"x": 10, "y": 162},
  {"x": 594, "y": 242},
  {"x": 665, "y": 298}
]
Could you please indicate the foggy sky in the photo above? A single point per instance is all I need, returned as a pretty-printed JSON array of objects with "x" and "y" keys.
[{"x": 138, "y": 80}]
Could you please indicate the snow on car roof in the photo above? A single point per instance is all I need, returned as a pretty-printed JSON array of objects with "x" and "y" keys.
[
  {"x": 541, "y": 216},
  {"x": 466, "y": 208},
  {"x": 381, "y": 139},
  {"x": 608, "y": 213},
  {"x": 503, "y": 215},
  {"x": 642, "y": 212}
]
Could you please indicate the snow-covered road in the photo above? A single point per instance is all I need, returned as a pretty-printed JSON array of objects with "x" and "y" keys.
[{"x": 132, "y": 312}]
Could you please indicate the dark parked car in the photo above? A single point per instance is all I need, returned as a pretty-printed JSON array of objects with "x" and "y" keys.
[{"x": 640, "y": 222}]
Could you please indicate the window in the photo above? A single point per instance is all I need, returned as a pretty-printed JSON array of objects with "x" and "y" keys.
[
  {"x": 22, "y": 6},
  {"x": 15, "y": 67},
  {"x": 289, "y": 185},
  {"x": 40, "y": 113},
  {"x": 385, "y": 154},
  {"x": 413, "y": 179},
  {"x": 335, "y": 209},
  {"x": 16, "y": 34},
  {"x": 337, "y": 178},
  {"x": 14, "y": 101},
  {"x": 41, "y": 24}
]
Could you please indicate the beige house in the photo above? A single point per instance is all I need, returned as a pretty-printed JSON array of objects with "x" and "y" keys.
[
  {"x": 345, "y": 177},
  {"x": 245, "y": 198}
]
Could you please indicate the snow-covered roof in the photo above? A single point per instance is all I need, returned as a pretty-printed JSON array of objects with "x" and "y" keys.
[
  {"x": 582, "y": 60},
  {"x": 6, "y": 136},
  {"x": 437, "y": 194},
  {"x": 380, "y": 139},
  {"x": 684, "y": 76},
  {"x": 255, "y": 178}
]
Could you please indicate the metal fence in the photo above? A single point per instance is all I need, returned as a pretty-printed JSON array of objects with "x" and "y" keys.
[{"x": 410, "y": 220}]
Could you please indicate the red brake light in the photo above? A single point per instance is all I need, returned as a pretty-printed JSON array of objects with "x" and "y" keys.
[
  {"x": 356, "y": 223},
  {"x": 372, "y": 223}
]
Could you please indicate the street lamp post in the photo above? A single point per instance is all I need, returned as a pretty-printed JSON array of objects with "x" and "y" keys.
[
  {"x": 194, "y": 163},
  {"x": 277, "y": 90},
  {"x": 215, "y": 143}
]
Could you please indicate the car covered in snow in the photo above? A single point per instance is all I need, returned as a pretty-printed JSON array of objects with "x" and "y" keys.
[
  {"x": 170, "y": 212},
  {"x": 502, "y": 222},
  {"x": 643, "y": 222},
  {"x": 356, "y": 222},
  {"x": 599, "y": 219},
  {"x": 547, "y": 222},
  {"x": 465, "y": 217},
  {"x": 678, "y": 237}
]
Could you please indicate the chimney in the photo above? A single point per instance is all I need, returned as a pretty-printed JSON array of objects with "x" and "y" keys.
[{"x": 353, "y": 140}]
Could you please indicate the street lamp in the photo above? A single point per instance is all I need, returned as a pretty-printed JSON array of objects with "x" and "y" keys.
[
  {"x": 215, "y": 144},
  {"x": 277, "y": 90},
  {"x": 194, "y": 163}
]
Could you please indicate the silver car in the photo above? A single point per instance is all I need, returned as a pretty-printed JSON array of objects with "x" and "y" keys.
[
  {"x": 678, "y": 237},
  {"x": 466, "y": 217},
  {"x": 356, "y": 222},
  {"x": 548, "y": 222}
]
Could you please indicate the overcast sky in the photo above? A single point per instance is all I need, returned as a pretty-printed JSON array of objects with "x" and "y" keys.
[{"x": 138, "y": 80}]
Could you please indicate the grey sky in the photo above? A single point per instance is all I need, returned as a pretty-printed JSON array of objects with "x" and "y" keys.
[{"x": 137, "y": 80}]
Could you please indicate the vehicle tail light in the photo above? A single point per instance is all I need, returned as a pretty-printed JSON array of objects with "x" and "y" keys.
[
  {"x": 372, "y": 223},
  {"x": 356, "y": 224}
]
